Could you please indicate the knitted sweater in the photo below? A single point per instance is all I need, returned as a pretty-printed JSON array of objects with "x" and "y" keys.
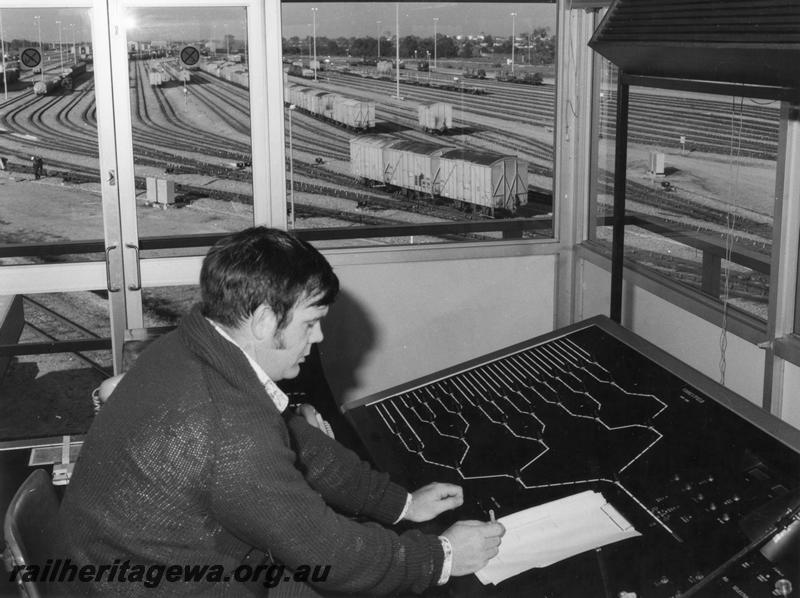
[{"x": 190, "y": 463}]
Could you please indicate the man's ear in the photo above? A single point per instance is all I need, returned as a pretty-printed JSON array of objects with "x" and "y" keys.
[{"x": 264, "y": 323}]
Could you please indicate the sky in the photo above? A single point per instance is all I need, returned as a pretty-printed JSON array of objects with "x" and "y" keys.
[
  {"x": 345, "y": 19},
  {"x": 332, "y": 20}
]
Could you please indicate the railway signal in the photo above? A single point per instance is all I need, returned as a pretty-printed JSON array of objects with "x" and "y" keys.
[
  {"x": 30, "y": 58},
  {"x": 189, "y": 56}
]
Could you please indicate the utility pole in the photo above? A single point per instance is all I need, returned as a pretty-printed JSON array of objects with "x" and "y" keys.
[
  {"x": 513, "y": 38},
  {"x": 435, "y": 21},
  {"x": 397, "y": 47},
  {"x": 38, "y": 20},
  {"x": 3, "y": 50},
  {"x": 314, "y": 15},
  {"x": 60, "y": 49}
]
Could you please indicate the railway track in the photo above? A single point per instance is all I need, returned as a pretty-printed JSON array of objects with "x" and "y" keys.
[
  {"x": 50, "y": 324},
  {"x": 164, "y": 136}
]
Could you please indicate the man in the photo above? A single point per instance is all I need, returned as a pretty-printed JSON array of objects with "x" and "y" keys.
[
  {"x": 195, "y": 462},
  {"x": 38, "y": 166}
]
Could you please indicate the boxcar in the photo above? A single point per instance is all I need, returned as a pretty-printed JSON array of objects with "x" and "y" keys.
[
  {"x": 354, "y": 114},
  {"x": 366, "y": 157},
  {"x": 414, "y": 166},
  {"x": 484, "y": 179},
  {"x": 435, "y": 117}
]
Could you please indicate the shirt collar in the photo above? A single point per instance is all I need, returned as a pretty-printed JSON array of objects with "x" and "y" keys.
[{"x": 276, "y": 394}]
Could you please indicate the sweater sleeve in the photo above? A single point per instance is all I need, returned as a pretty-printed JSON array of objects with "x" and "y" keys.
[
  {"x": 342, "y": 478},
  {"x": 258, "y": 493}
]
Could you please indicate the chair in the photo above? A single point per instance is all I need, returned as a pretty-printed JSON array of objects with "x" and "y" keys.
[{"x": 29, "y": 526}]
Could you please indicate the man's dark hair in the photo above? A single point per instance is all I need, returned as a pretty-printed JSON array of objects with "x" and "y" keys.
[{"x": 262, "y": 265}]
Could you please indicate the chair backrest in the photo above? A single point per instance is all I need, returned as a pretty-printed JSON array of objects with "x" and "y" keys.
[{"x": 29, "y": 529}]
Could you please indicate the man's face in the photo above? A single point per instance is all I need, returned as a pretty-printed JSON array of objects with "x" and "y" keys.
[{"x": 281, "y": 354}]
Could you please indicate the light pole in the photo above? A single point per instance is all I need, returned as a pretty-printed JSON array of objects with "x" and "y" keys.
[
  {"x": 397, "y": 47},
  {"x": 3, "y": 51},
  {"x": 435, "y": 22},
  {"x": 41, "y": 53},
  {"x": 60, "y": 49},
  {"x": 530, "y": 43},
  {"x": 291, "y": 169},
  {"x": 428, "y": 54},
  {"x": 379, "y": 39},
  {"x": 460, "y": 83},
  {"x": 314, "y": 31},
  {"x": 74, "y": 49},
  {"x": 513, "y": 38}
]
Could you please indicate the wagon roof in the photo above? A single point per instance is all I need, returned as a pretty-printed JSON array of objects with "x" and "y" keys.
[
  {"x": 475, "y": 156},
  {"x": 349, "y": 100},
  {"x": 373, "y": 140},
  {"x": 419, "y": 147}
]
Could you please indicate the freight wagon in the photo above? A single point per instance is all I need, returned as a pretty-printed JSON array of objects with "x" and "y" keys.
[
  {"x": 481, "y": 181},
  {"x": 63, "y": 81},
  {"x": 10, "y": 73},
  {"x": 341, "y": 110},
  {"x": 488, "y": 180},
  {"x": 435, "y": 117},
  {"x": 157, "y": 77},
  {"x": 228, "y": 71}
]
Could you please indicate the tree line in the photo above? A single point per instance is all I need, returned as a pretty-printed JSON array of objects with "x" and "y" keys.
[{"x": 536, "y": 47}]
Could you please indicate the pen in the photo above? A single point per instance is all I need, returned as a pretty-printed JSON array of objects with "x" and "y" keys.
[{"x": 491, "y": 516}]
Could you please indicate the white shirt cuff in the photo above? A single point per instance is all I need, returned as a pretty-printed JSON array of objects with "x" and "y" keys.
[
  {"x": 447, "y": 565},
  {"x": 405, "y": 509}
]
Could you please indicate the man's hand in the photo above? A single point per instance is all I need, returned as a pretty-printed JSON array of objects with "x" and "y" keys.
[
  {"x": 314, "y": 419},
  {"x": 430, "y": 500},
  {"x": 473, "y": 543}
]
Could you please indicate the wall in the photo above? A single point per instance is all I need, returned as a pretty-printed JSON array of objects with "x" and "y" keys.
[
  {"x": 398, "y": 321},
  {"x": 690, "y": 338},
  {"x": 791, "y": 395}
]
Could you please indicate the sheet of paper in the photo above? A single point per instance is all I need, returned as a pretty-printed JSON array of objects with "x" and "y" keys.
[{"x": 545, "y": 534}]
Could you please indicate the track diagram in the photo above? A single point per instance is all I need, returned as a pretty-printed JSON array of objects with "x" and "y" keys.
[{"x": 534, "y": 407}]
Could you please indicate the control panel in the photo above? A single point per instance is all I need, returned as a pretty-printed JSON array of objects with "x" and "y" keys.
[{"x": 710, "y": 481}]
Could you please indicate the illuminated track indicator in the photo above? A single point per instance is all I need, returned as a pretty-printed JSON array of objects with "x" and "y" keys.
[{"x": 530, "y": 403}]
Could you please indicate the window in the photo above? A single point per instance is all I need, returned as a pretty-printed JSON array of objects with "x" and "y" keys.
[
  {"x": 700, "y": 188},
  {"x": 49, "y": 145},
  {"x": 190, "y": 115},
  {"x": 446, "y": 136}
]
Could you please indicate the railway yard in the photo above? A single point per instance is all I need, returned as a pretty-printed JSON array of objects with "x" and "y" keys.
[
  {"x": 193, "y": 128},
  {"x": 195, "y": 131}
]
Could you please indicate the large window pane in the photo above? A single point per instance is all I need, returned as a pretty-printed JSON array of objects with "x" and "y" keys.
[
  {"x": 49, "y": 174},
  {"x": 49, "y": 394},
  {"x": 700, "y": 189},
  {"x": 190, "y": 111},
  {"x": 453, "y": 126}
]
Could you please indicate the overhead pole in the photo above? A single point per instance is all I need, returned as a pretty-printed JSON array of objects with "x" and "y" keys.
[
  {"x": 513, "y": 38},
  {"x": 3, "y": 50},
  {"x": 435, "y": 21},
  {"x": 397, "y": 47},
  {"x": 314, "y": 31}
]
